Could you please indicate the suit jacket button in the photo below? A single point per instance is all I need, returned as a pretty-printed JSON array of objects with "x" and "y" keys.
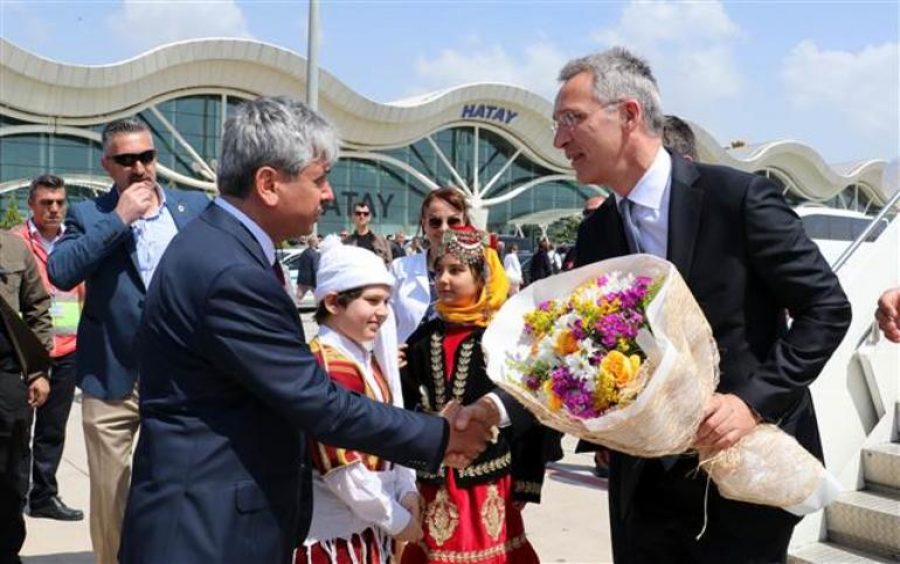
[{"x": 140, "y": 304}]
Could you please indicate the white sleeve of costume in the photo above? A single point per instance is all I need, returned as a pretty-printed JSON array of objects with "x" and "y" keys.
[{"x": 365, "y": 495}]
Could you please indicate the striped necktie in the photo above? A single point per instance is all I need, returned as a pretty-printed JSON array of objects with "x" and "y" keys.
[{"x": 632, "y": 235}]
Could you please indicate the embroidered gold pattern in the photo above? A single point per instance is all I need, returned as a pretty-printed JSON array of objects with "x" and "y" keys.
[
  {"x": 533, "y": 488},
  {"x": 454, "y": 557},
  {"x": 442, "y": 517},
  {"x": 460, "y": 372},
  {"x": 493, "y": 512},
  {"x": 484, "y": 468}
]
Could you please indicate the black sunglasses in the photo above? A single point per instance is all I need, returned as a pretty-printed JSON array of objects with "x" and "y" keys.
[
  {"x": 437, "y": 222},
  {"x": 128, "y": 159},
  {"x": 362, "y": 213}
]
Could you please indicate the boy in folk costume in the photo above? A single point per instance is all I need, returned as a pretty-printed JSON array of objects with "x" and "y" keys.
[
  {"x": 471, "y": 515},
  {"x": 362, "y": 503}
]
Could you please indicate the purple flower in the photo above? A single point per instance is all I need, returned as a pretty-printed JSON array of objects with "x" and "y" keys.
[
  {"x": 532, "y": 382},
  {"x": 573, "y": 392},
  {"x": 577, "y": 329}
]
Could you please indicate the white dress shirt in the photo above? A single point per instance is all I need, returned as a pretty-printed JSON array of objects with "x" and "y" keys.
[{"x": 650, "y": 205}]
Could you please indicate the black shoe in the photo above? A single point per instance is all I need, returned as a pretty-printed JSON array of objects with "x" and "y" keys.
[
  {"x": 54, "y": 508},
  {"x": 600, "y": 471}
]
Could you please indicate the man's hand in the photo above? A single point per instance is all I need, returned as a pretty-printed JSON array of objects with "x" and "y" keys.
[
  {"x": 470, "y": 431},
  {"x": 483, "y": 410},
  {"x": 136, "y": 201},
  {"x": 726, "y": 420},
  {"x": 38, "y": 390},
  {"x": 888, "y": 314}
]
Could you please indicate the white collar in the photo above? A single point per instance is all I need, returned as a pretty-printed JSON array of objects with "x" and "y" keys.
[
  {"x": 650, "y": 189},
  {"x": 35, "y": 232},
  {"x": 268, "y": 247}
]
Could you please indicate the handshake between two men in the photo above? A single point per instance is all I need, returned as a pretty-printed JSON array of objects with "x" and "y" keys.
[{"x": 472, "y": 427}]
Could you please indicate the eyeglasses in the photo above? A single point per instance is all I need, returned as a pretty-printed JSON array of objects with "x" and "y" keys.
[
  {"x": 129, "y": 159},
  {"x": 362, "y": 213},
  {"x": 438, "y": 222},
  {"x": 569, "y": 119}
]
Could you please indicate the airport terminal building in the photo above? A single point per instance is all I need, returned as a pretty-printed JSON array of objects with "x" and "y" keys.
[{"x": 493, "y": 141}]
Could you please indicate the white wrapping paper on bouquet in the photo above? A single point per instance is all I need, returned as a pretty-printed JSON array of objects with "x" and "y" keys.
[{"x": 681, "y": 373}]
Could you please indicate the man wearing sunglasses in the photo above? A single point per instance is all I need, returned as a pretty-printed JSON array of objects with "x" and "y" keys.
[
  {"x": 365, "y": 237},
  {"x": 113, "y": 244}
]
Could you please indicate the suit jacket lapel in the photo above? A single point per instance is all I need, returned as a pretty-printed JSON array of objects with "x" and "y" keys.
[
  {"x": 178, "y": 210},
  {"x": 685, "y": 205},
  {"x": 602, "y": 235}
]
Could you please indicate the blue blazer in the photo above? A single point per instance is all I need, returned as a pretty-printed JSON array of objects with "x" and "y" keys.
[
  {"x": 99, "y": 249},
  {"x": 229, "y": 391}
]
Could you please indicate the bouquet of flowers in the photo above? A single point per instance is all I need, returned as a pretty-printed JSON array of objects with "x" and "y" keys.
[
  {"x": 620, "y": 353},
  {"x": 584, "y": 354}
]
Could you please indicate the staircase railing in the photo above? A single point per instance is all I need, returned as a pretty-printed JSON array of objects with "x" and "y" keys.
[{"x": 870, "y": 336}]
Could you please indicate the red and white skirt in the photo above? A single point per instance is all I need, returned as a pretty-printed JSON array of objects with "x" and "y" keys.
[{"x": 477, "y": 524}]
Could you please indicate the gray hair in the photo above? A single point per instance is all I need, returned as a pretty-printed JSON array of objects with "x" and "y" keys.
[
  {"x": 131, "y": 124},
  {"x": 272, "y": 131},
  {"x": 618, "y": 74}
]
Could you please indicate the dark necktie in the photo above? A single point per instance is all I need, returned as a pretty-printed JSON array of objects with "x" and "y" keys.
[
  {"x": 632, "y": 235},
  {"x": 279, "y": 272}
]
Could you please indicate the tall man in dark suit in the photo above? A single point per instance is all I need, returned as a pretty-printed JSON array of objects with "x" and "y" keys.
[
  {"x": 113, "y": 244},
  {"x": 746, "y": 258},
  {"x": 229, "y": 389}
]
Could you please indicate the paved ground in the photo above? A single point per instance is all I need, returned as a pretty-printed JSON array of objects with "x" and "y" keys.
[{"x": 569, "y": 526}]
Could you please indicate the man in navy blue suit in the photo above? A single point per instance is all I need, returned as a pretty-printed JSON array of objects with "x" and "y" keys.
[
  {"x": 113, "y": 244},
  {"x": 229, "y": 390}
]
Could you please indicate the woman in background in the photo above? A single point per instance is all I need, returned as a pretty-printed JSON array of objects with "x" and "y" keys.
[{"x": 413, "y": 295}]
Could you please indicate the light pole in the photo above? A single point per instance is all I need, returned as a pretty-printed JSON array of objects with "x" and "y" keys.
[{"x": 312, "y": 57}]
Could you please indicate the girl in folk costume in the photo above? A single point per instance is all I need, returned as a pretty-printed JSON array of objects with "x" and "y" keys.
[
  {"x": 361, "y": 503},
  {"x": 471, "y": 515}
]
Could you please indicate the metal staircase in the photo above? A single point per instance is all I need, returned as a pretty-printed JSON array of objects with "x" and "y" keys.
[{"x": 863, "y": 526}]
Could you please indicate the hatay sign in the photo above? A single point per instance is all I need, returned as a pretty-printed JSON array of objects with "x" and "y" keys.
[{"x": 488, "y": 112}]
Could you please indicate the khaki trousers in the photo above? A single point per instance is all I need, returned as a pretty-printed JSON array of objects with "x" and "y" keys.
[{"x": 110, "y": 428}]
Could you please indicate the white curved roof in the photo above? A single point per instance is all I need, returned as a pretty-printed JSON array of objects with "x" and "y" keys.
[{"x": 39, "y": 90}]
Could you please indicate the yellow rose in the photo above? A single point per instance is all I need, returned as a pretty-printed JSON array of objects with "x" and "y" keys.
[{"x": 622, "y": 368}]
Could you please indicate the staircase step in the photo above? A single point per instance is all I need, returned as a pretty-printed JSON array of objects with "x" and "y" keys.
[
  {"x": 828, "y": 553},
  {"x": 881, "y": 465},
  {"x": 866, "y": 521}
]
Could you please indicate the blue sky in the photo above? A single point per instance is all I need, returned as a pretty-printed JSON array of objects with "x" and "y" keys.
[{"x": 824, "y": 73}]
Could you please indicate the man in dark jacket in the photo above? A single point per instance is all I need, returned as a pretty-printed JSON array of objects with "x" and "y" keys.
[{"x": 25, "y": 341}]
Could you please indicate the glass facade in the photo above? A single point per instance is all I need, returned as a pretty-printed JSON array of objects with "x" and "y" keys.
[
  {"x": 471, "y": 156},
  {"x": 393, "y": 194}
]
